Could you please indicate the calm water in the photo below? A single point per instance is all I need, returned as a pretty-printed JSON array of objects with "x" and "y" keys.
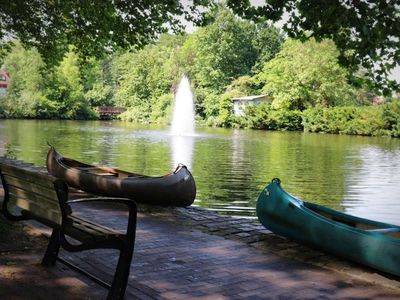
[{"x": 359, "y": 175}]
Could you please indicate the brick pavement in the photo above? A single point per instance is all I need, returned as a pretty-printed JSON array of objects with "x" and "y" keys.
[
  {"x": 177, "y": 260},
  {"x": 193, "y": 253}
]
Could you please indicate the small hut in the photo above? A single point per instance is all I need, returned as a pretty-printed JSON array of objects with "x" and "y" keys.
[{"x": 240, "y": 103}]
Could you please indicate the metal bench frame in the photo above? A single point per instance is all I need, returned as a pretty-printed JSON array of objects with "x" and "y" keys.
[{"x": 44, "y": 198}]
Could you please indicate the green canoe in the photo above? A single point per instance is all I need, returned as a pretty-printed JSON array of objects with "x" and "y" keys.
[{"x": 371, "y": 243}]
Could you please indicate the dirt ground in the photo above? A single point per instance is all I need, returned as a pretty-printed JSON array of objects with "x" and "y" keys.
[{"x": 21, "y": 275}]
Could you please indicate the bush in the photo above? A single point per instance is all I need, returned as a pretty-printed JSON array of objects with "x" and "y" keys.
[
  {"x": 133, "y": 114},
  {"x": 382, "y": 120},
  {"x": 286, "y": 120},
  {"x": 161, "y": 110},
  {"x": 391, "y": 117},
  {"x": 265, "y": 117}
]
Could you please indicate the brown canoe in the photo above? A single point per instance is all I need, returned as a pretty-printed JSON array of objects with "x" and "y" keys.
[{"x": 175, "y": 189}]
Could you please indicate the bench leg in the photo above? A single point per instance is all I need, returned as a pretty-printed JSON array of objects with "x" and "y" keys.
[
  {"x": 121, "y": 275},
  {"x": 53, "y": 247}
]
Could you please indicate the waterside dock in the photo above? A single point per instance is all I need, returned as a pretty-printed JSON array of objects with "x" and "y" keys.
[{"x": 192, "y": 253}]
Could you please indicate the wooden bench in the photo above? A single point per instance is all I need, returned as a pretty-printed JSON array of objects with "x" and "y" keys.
[{"x": 29, "y": 194}]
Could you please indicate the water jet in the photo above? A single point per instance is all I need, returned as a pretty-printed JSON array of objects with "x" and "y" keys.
[{"x": 183, "y": 113}]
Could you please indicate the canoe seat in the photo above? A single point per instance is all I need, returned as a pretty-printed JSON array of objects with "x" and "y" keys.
[
  {"x": 30, "y": 194},
  {"x": 385, "y": 230}
]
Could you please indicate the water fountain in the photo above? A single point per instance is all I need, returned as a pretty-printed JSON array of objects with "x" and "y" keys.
[
  {"x": 182, "y": 128},
  {"x": 183, "y": 115}
]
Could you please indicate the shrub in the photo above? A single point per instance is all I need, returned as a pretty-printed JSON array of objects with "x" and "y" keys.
[
  {"x": 161, "y": 110},
  {"x": 265, "y": 117},
  {"x": 382, "y": 120}
]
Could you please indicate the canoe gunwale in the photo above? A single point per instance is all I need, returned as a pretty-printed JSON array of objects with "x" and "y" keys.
[{"x": 311, "y": 208}]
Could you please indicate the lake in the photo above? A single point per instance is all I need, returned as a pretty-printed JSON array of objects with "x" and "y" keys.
[{"x": 358, "y": 175}]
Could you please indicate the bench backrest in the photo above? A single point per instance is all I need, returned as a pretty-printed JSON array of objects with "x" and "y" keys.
[{"x": 42, "y": 196}]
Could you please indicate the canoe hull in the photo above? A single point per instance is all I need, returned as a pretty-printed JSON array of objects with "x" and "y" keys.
[
  {"x": 175, "y": 189},
  {"x": 285, "y": 215}
]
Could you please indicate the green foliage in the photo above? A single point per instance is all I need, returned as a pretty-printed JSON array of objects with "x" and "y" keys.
[
  {"x": 97, "y": 82},
  {"x": 368, "y": 120},
  {"x": 91, "y": 26},
  {"x": 243, "y": 86},
  {"x": 267, "y": 42},
  {"x": 225, "y": 116},
  {"x": 133, "y": 114},
  {"x": 380, "y": 120},
  {"x": 160, "y": 113},
  {"x": 225, "y": 50},
  {"x": 211, "y": 104},
  {"x": 100, "y": 95},
  {"x": 304, "y": 75},
  {"x": 391, "y": 117},
  {"x": 47, "y": 109},
  {"x": 25, "y": 90},
  {"x": 219, "y": 108},
  {"x": 68, "y": 89},
  {"x": 366, "y": 32},
  {"x": 266, "y": 117},
  {"x": 229, "y": 57},
  {"x": 144, "y": 76},
  {"x": 162, "y": 108}
]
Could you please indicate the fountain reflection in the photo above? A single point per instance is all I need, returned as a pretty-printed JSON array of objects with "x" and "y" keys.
[{"x": 182, "y": 150}]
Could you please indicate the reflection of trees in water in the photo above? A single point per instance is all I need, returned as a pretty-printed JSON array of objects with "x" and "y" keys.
[
  {"x": 310, "y": 168},
  {"x": 230, "y": 166},
  {"x": 92, "y": 142},
  {"x": 9, "y": 151},
  {"x": 222, "y": 177}
]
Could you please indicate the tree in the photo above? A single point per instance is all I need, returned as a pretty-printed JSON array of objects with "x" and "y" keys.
[
  {"x": 93, "y": 27},
  {"x": 223, "y": 51},
  {"x": 97, "y": 82},
  {"x": 68, "y": 88},
  {"x": 146, "y": 76},
  {"x": 367, "y": 33},
  {"x": 304, "y": 75},
  {"x": 267, "y": 41},
  {"x": 25, "y": 93}
]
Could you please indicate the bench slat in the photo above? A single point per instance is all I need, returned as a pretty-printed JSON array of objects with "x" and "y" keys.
[
  {"x": 93, "y": 227},
  {"x": 28, "y": 185},
  {"x": 84, "y": 231},
  {"x": 34, "y": 196},
  {"x": 36, "y": 209},
  {"x": 28, "y": 175}
]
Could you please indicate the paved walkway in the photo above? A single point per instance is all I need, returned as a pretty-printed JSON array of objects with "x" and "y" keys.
[
  {"x": 174, "y": 260},
  {"x": 195, "y": 254}
]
